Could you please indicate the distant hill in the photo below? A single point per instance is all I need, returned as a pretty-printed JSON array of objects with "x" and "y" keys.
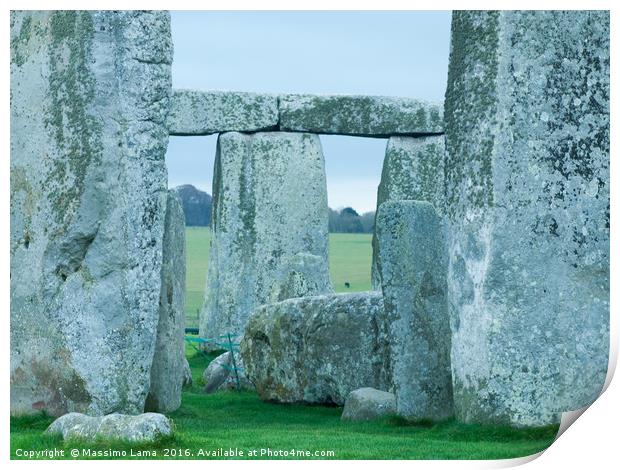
[{"x": 196, "y": 205}]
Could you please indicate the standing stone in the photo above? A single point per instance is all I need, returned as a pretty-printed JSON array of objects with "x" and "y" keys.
[
  {"x": 270, "y": 203},
  {"x": 373, "y": 116},
  {"x": 167, "y": 371},
  {"x": 413, "y": 169},
  {"x": 527, "y": 138},
  {"x": 317, "y": 349},
  {"x": 89, "y": 97},
  {"x": 302, "y": 275},
  {"x": 413, "y": 271}
]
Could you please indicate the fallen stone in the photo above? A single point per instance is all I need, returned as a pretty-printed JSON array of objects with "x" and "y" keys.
[
  {"x": 147, "y": 427},
  {"x": 378, "y": 116},
  {"x": 316, "y": 349},
  {"x": 220, "y": 374},
  {"x": 413, "y": 169},
  {"x": 368, "y": 404},
  {"x": 89, "y": 95},
  {"x": 187, "y": 374},
  {"x": 527, "y": 139},
  {"x": 270, "y": 203},
  {"x": 217, "y": 372},
  {"x": 412, "y": 256},
  {"x": 231, "y": 381},
  {"x": 167, "y": 370},
  {"x": 211, "y": 112}
]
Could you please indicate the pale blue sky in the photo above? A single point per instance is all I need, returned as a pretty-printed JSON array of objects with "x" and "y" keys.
[{"x": 378, "y": 53}]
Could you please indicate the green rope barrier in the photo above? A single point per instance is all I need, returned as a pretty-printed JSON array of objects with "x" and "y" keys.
[{"x": 229, "y": 345}]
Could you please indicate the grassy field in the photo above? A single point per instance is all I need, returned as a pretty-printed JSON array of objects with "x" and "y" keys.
[
  {"x": 197, "y": 245},
  {"x": 350, "y": 258},
  {"x": 240, "y": 421}
]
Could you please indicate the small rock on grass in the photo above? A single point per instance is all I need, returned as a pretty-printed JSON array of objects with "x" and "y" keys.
[
  {"x": 146, "y": 427},
  {"x": 219, "y": 375},
  {"x": 366, "y": 404}
]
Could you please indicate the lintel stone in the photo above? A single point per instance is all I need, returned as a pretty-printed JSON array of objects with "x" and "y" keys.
[
  {"x": 210, "y": 112},
  {"x": 370, "y": 116}
]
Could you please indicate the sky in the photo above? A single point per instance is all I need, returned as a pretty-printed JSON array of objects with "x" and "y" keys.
[{"x": 373, "y": 53}]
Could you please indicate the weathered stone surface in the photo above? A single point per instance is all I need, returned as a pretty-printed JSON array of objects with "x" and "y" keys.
[
  {"x": 220, "y": 375},
  {"x": 527, "y": 138},
  {"x": 316, "y": 349},
  {"x": 146, "y": 427},
  {"x": 413, "y": 262},
  {"x": 302, "y": 275},
  {"x": 367, "y": 404},
  {"x": 270, "y": 203},
  {"x": 167, "y": 370},
  {"x": 217, "y": 372},
  {"x": 378, "y": 116},
  {"x": 187, "y": 373},
  {"x": 89, "y": 95},
  {"x": 413, "y": 169},
  {"x": 195, "y": 112},
  {"x": 231, "y": 381}
]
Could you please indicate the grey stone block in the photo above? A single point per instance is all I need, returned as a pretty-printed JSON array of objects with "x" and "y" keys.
[
  {"x": 89, "y": 94},
  {"x": 316, "y": 349},
  {"x": 167, "y": 370},
  {"x": 270, "y": 203},
  {"x": 527, "y": 138},
  {"x": 413, "y": 169},
  {"x": 302, "y": 275},
  {"x": 143, "y": 428},
  {"x": 196, "y": 112},
  {"x": 413, "y": 265},
  {"x": 373, "y": 116},
  {"x": 368, "y": 404}
]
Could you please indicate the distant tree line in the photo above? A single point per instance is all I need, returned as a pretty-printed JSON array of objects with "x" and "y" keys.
[
  {"x": 347, "y": 220},
  {"x": 197, "y": 209}
]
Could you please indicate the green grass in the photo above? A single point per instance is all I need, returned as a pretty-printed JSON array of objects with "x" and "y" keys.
[
  {"x": 350, "y": 256},
  {"x": 239, "y": 420},
  {"x": 197, "y": 246},
  {"x": 350, "y": 259},
  {"x": 231, "y": 420}
]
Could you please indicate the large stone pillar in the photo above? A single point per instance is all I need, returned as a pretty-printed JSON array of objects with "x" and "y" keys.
[
  {"x": 413, "y": 169},
  {"x": 167, "y": 371},
  {"x": 89, "y": 97},
  {"x": 269, "y": 205},
  {"x": 413, "y": 263},
  {"x": 527, "y": 136}
]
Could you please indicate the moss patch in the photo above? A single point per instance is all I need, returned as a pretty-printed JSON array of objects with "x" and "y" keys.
[{"x": 76, "y": 132}]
